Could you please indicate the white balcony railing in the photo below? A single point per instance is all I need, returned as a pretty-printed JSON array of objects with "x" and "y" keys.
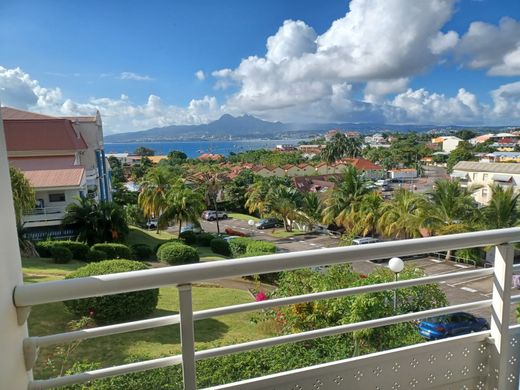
[
  {"x": 48, "y": 215},
  {"x": 484, "y": 360}
]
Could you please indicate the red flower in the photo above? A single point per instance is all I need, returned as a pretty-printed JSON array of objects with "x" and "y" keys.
[{"x": 260, "y": 296}]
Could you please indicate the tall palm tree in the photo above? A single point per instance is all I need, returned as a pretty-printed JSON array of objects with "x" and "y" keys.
[
  {"x": 284, "y": 202},
  {"x": 183, "y": 204},
  {"x": 403, "y": 216},
  {"x": 152, "y": 198},
  {"x": 256, "y": 196},
  {"x": 341, "y": 146},
  {"x": 369, "y": 213},
  {"x": 502, "y": 210},
  {"x": 23, "y": 194},
  {"x": 311, "y": 209},
  {"x": 348, "y": 191}
]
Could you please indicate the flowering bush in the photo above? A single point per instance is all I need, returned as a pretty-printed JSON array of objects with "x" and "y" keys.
[{"x": 260, "y": 296}]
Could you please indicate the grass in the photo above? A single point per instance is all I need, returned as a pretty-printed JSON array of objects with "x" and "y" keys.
[
  {"x": 281, "y": 233},
  {"x": 163, "y": 341},
  {"x": 148, "y": 237},
  {"x": 243, "y": 217}
]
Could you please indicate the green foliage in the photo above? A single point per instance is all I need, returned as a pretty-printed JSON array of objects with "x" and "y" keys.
[
  {"x": 118, "y": 176},
  {"x": 341, "y": 146},
  {"x": 94, "y": 256},
  {"x": 238, "y": 246},
  {"x": 256, "y": 246},
  {"x": 141, "y": 251},
  {"x": 143, "y": 151},
  {"x": 61, "y": 254},
  {"x": 204, "y": 239},
  {"x": 502, "y": 210},
  {"x": 177, "y": 254},
  {"x": 189, "y": 237},
  {"x": 140, "y": 170},
  {"x": 267, "y": 157},
  {"x": 23, "y": 194},
  {"x": 235, "y": 190},
  {"x": 464, "y": 152},
  {"x": 220, "y": 246},
  {"x": 113, "y": 308},
  {"x": 79, "y": 250},
  {"x": 134, "y": 215},
  {"x": 471, "y": 255},
  {"x": 44, "y": 248},
  {"x": 114, "y": 251}
]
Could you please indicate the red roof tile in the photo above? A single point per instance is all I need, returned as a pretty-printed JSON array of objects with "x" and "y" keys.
[
  {"x": 35, "y": 134},
  {"x": 365, "y": 165},
  {"x": 50, "y": 178}
]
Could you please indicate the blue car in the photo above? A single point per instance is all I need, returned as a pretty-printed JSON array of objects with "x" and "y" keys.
[{"x": 451, "y": 325}]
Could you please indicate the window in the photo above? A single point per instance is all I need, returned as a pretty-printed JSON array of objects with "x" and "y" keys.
[{"x": 60, "y": 197}]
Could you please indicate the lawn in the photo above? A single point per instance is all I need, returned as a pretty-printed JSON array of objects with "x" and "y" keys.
[
  {"x": 163, "y": 341},
  {"x": 281, "y": 233},
  {"x": 243, "y": 217}
]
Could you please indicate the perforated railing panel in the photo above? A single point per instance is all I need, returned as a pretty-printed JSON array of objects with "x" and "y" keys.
[{"x": 459, "y": 363}]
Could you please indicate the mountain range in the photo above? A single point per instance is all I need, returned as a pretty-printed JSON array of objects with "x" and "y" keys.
[{"x": 249, "y": 127}]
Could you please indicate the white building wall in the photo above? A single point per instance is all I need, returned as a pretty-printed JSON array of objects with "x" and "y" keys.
[
  {"x": 485, "y": 180},
  {"x": 12, "y": 368},
  {"x": 450, "y": 143}
]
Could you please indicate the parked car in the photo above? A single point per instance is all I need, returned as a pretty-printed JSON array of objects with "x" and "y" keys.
[
  {"x": 212, "y": 215},
  {"x": 451, "y": 325},
  {"x": 152, "y": 224},
  {"x": 364, "y": 240},
  {"x": 382, "y": 182},
  {"x": 268, "y": 223},
  {"x": 191, "y": 228}
]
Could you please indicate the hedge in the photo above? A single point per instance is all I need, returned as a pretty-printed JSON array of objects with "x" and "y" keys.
[
  {"x": 177, "y": 254},
  {"x": 220, "y": 246},
  {"x": 141, "y": 251},
  {"x": 189, "y": 237},
  {"x": 261, "y": 246},
  {"x": 118, "y": 307},
  {"x": 61, "y": 254},
  {"x": 114, "y": 251},
  {"x": 158, "y": 246},
  {"x": 270, "y": 278},
  {"x": 204, "y": 239},
  {"x": 94, "y": 256},
  {"x": 238, "y": 246},
  {"x": 79, "y": 249}
]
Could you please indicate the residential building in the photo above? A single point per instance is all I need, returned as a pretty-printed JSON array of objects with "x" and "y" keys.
[
  {"x": 449, "y": 142},
  {"x": 513, "y": 157},
  {"x": 63, "y": 158},
  {"x": 485, "y": 175}
]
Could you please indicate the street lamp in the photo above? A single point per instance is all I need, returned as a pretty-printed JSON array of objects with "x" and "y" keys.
[
  {"x": 396, "y": 265},
  {"x": 251, "y": 223}
]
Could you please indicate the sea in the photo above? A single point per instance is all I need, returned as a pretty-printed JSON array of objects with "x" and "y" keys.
[{"x": 195, "y": 148}]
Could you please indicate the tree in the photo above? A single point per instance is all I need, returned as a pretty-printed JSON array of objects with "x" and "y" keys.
[
  {"x": 463, "y": 152},
  {"x": 154, "y": 189},
  {"x": 368, "y": 214},
  {"x": 182, "y": 205},
  {"x": 311, "y": 210},
  {"x": 144, "y": 152},
  {"x": 284, "y": 202},
  {"x": 96, "y": 222},
  {"x": 341, "y": 146},
  {"x": 23, "y": 194},
  {"x": 141, "y": 169},
  {"x": 502, "y": 210},
  {"x": 256, "y": 195},
  {"x": 348, "y": 191},
  {"x": 235, "y": 190},
  {"x": 403, "y": 216},
  {"x": 177, "y": 156},
  {"x": 117, "y": 170}
]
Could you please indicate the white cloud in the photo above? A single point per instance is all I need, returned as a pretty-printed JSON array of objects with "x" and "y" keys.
[
  {"x": 506, "y": 101},
  {"x": 134, "y": 76},
  {"x": 200, "y": 75},
  {"x": 496, "y": 48},
  {"x": 382, "y": 42},
  {"x": 443, "y": 42}
]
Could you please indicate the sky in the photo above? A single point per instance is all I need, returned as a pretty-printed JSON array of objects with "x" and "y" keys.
[{"x": 159, "y": 63}]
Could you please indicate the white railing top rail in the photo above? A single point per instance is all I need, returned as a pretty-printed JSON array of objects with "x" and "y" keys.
[{"x": 47, "y": 292}]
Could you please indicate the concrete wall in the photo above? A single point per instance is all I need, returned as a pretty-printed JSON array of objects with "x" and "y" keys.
[{"x": 12, "y": 367}]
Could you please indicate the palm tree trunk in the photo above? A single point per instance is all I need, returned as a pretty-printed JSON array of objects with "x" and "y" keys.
[
  {"x": 216, "y": 211},
  {"x": 180, "y": 227},
  {"x": 448, "y": 255}
]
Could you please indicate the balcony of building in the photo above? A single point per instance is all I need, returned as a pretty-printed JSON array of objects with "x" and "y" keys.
[
  {"x": 482, "y": 360},
  {"x": 44, "y": 216}
]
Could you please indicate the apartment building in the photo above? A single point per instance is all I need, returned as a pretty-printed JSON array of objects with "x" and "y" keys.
[{"x": 486, "y": 175}]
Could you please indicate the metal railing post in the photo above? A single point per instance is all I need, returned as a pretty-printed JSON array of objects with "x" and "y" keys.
[
  {"x": 187, "y": 337},
  {"x": 500, "y": 317}
]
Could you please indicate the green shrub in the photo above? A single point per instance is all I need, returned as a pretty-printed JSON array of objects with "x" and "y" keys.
[
  {"x": 177, "y": 254},
  {"x": 220, "y": 246},
  {"x": 238, "y": 246},
  {"x": 61, "y": 254},
  {"x": 44, "y": 248},
  {"x": 113, "y": 308},
  {"x": 260, "y": 246},
  {"x": 269, "y": 278},
  {"x": 156, "y": 249},
  {"x": 141, "y": 252},
  {"x": 94, "y": 256},
  {"x": 189, "y": 237},
  {"x": 114, "y": 251},
  {"x": 204, "y": 239}
]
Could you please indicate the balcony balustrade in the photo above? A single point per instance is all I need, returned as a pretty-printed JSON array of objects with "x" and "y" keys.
[
  {"x": 44, "y": 216},
  {"x": 483, "y": 360}
]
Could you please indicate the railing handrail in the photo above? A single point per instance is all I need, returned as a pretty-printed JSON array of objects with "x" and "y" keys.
[
  {"x": 39, "y": 210},
  {"x": 57, "y": 291}
]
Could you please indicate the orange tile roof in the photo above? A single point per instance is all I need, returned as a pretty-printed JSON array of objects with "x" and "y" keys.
[
  {"x": 365, "y": 165},
  {"x": 37, "y": 163},
  {"x": 37, "y": 134},
  {"x": 50, "y": 178}
]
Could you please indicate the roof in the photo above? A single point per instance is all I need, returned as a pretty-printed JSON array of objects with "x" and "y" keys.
[
  {"x": 506, "y": 135},
  {"x": 210, "y": 156},
  {"x": 362, "y": 164},
  {"x": 38, "y": 163},
  {"x": 487, "y": 167},
  {"x": 80, "y": 118},
  {"x": 49, "y": 178},
  {"x": 15, "y": 114},
  {"x": 156, "y": 159},
  {"x": 37, "y": 134}
]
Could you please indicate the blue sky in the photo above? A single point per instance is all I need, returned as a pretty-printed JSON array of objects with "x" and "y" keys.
[{"x": 394, "y": 61}]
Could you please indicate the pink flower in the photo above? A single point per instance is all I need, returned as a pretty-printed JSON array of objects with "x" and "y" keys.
[{"x": 260, "y": 296}]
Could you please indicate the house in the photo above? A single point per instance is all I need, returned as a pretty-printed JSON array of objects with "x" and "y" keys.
[
  {"x": 449, "y": 142},
  {"x": 63, "y": 158},
  {"x": 486, "y": 175},
  {"x": 513, "y": 157},
  {"x": 320, "y": 184}
]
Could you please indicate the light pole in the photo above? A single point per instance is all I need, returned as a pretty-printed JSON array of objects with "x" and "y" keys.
[
  {"x": 396, "y": 265},
  {"x": 252, "y": 224}
]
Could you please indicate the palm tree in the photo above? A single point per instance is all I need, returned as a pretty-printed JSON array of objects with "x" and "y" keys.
[
  {"x": 182, "y": 205},
  {"x": 23, "y": 194},
  {"x": 403, "y": 216},
  {"x": 369, "y": 213},
  {"x": 502, "y": 210},
  {"x": 311, "y": 209},
  {"x": 341, "y": 146},
  {"x": 284, "y": 202},
  {"x": 112, "y": 223},
  {"x": 256, "y": 196},
  {"x": 451, "y": 209},
  {"x": 152, "y": 198},
  {"x": 348, "y": 191}
]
